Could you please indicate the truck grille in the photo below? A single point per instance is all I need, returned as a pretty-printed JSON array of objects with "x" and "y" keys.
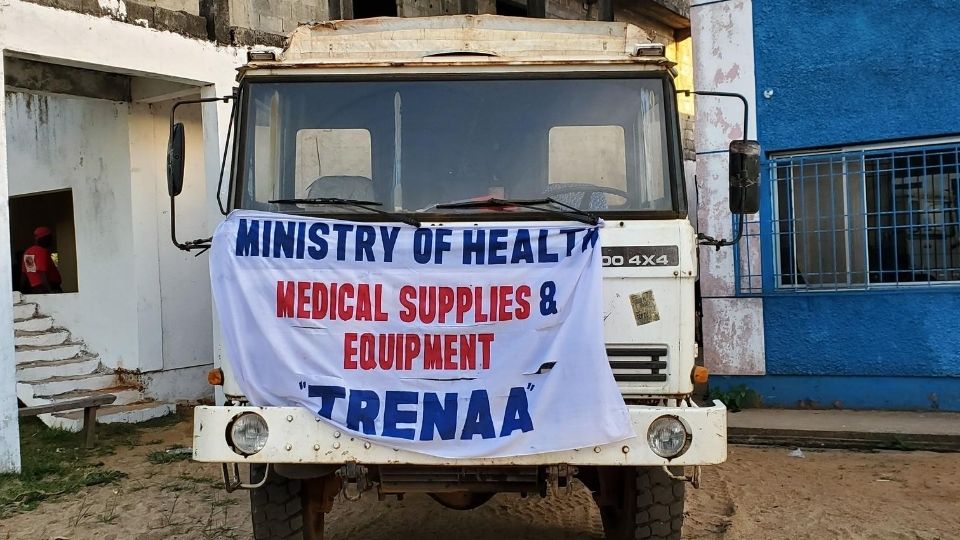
[{"x": 638, "y": 365}]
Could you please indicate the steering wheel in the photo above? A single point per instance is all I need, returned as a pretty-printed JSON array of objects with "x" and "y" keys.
[{"x": 587, "y": 196}]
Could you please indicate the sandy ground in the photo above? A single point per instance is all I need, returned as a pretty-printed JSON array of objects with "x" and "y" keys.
[{"x": 758, "y": 493}]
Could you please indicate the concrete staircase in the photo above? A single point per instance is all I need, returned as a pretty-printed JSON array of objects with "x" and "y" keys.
[{"x": 51, "y": 367}]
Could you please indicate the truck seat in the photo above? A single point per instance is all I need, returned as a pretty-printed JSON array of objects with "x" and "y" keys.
[{"x": 343, "y": 187}]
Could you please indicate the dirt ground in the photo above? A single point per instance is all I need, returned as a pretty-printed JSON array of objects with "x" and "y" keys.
[{"x": 758, "y": 493}]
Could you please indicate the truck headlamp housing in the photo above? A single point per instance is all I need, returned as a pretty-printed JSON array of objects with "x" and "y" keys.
[
  {"x": 248, "y": 433},
  {"x": 668, "y": 437}
]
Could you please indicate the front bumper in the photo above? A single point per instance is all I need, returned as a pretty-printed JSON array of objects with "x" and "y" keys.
[{"x": 296, "y": 436}]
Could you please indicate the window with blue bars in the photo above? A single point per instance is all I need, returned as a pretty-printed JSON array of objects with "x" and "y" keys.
[{"x": 861, "y": 219}]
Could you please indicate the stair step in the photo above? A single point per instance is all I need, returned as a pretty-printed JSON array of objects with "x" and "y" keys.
[
  {"x": 51, "y": 368},
  {"x": 58, "y": 385},
  {"x": 41, "y": 339},
  {"x": 24, "y": 311},
  {"x": 125, "y": 395},
  {"x": 130, "y": 413},
  {"x": 62, "y": 351},
  {"x": 36, "y": 324},
  {"x": 44, "y": 369}
]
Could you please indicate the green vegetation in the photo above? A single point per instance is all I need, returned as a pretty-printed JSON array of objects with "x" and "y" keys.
[
  {"x": 736, "y": 398},
  {"x": 55, "y": 463},
  {"x": 169, "y": 455}
]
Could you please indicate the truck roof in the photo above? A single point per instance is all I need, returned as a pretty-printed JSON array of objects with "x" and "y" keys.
[{"x": 463, "y": 40}]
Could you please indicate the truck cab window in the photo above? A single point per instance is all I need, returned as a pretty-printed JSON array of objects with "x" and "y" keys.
[
  {"x": 263, "y": 170},
  {"x": 334, "y": 163},
  {"x": 585, "y": 157},
  {"x": 600, "y": 144}
]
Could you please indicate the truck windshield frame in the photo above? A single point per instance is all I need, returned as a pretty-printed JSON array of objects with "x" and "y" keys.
[{"x": 397, "y": 140}]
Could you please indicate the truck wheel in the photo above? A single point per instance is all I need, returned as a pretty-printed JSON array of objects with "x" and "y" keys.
[
  {"x": 651, "y": 507},
  {"x": 281, "y": 509}
]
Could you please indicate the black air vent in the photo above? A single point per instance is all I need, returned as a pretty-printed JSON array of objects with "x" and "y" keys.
[{"x": 647, "y": 364}]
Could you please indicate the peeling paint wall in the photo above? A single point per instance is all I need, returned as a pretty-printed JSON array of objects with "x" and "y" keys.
[
  {"x": 48, "y": 141},
  {"x": 723, "y": 61},
  {"x": 111, "y": 153},
  {"x": 142, "y": 304},
  {"x": 54, "y": 143}
]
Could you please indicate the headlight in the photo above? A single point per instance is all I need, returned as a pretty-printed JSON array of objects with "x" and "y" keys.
[
  {"x": 248, "y": 433},
  {"x": 668, "y": 437}
]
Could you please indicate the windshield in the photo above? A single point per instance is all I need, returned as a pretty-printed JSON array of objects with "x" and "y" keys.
[{"x": 596, "y": 144}]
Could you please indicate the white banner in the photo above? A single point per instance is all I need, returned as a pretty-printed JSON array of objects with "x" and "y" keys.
[{"x": 460, "y": 341}]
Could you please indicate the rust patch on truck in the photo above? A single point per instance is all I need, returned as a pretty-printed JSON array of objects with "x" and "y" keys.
[{"x": 644, "y": 307}]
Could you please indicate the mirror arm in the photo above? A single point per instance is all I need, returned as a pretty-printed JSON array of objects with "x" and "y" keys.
[
  {"x": 201, "y": 244},
  {"x": 705, "y": 239},
  {"x": 746, "y": 106}
]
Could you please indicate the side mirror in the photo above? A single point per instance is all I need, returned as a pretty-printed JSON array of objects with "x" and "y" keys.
[
  {"x": 175, "y": 160},
  {"x": 744, "y": 177}
]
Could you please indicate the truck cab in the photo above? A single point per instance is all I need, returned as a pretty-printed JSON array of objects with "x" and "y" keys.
[{"x": 421, "y": 116}]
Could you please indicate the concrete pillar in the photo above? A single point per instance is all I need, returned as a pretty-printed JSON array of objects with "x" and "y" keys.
[
  {"x": 9, "y": 426},
  {"x": 723, "y": 61}
]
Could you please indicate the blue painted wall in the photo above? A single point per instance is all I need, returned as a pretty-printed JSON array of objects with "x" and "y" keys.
[
  {"x": 846, "y": 73},
  {"x": 853, "y": 71},
  {"x": 864, "y": 333}
]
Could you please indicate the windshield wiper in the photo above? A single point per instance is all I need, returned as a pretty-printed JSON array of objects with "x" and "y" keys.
[
  {"x": 569, "y": 212},
  {"x": 366, "y": 205}
]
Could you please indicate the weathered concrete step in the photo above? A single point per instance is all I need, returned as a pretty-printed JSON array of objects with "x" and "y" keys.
[
  {"x": 56, "y": 352},
  {"x": 17, "y": 297},
  {"x": 125, "y": 394},
  {"x": 36, "y": 324},
  {"x": 132, "y": 413},
  {"x": 44, "y": 369},
  {"x": 41, "y": 339},
  {"x": 58, "y": 385},
  {"x": 24, "y": 311}
]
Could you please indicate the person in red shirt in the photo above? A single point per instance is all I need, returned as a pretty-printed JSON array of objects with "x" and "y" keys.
[{"x": 38, "y": 268}]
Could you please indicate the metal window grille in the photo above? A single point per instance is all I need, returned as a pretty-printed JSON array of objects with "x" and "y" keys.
[
  {"x": 856, "y": 220},
  {"x": 864, "y": 219},
  {"x": 747, "y": 256}
]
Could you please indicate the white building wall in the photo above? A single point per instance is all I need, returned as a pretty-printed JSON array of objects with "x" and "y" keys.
[
  {"x": 145, "y": 161},
  {"x": 154, "y": 322},
  {"x": 182, "y": 307},
  {"x": 185, "y": 278},
  {"x": 723, "y": 61},
  {"x": 142, "y": 304},
  {"x": 47, "y": 150}
]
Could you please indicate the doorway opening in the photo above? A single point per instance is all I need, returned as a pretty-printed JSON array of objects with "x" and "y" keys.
[{"x": 53, "y": 210}]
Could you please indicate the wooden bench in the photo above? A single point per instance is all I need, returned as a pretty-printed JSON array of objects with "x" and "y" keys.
[{"x": 90, "y": 405}]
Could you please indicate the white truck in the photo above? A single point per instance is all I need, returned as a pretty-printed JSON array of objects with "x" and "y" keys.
[{"x": 537, "y": 119}]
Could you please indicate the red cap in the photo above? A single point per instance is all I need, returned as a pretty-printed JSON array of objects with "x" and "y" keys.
[{"x": 41, "y": 232}]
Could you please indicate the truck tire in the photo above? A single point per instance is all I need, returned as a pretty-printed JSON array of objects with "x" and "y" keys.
[
  {"x": 279, "y": 509},
  {"x": 651, "y": 507}
]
